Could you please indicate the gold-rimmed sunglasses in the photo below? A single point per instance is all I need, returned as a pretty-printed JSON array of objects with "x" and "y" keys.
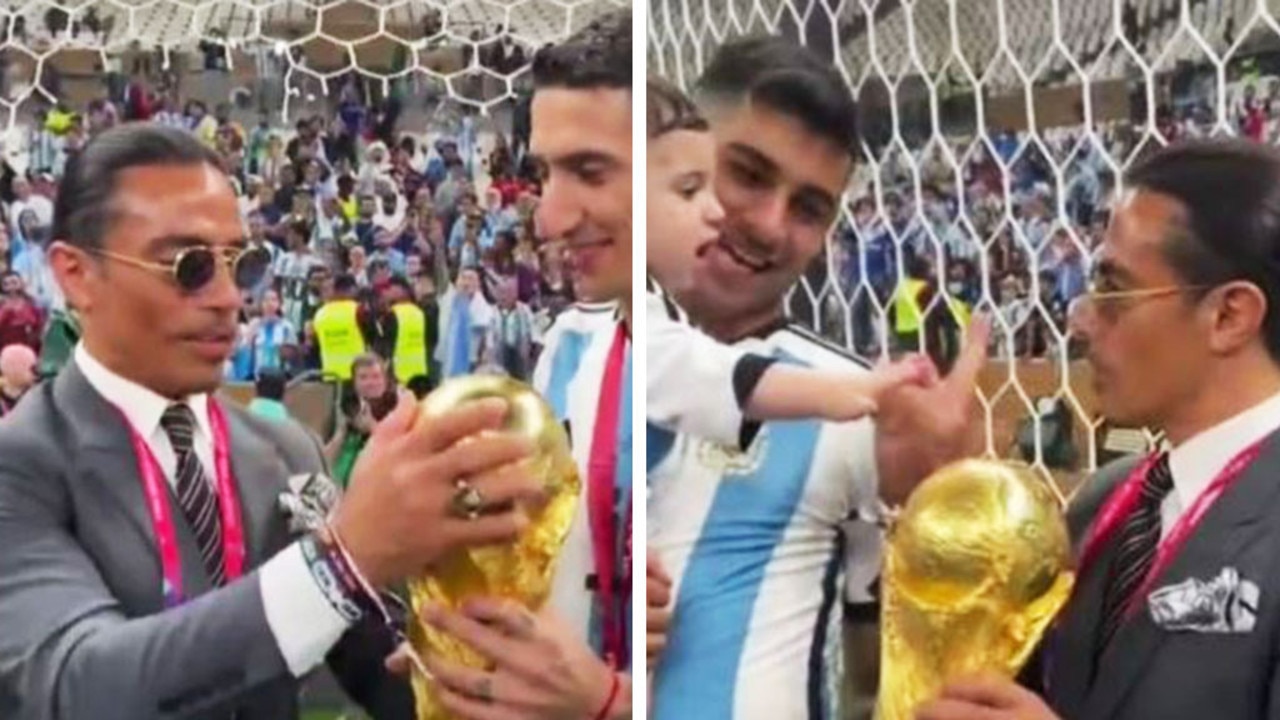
[
  {"x": 194, "y": 267},
  {"x": 1109, "y": 303}
]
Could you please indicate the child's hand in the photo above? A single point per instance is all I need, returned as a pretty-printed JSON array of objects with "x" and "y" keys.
[{"x": 860, "y": 395}]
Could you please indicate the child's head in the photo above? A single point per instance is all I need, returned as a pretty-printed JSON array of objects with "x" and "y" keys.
[{"x": 682, "y": 206}]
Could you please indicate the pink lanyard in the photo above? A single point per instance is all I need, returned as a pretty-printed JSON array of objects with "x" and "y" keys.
[
  {"x": 155, "y": 489},
  {"x": 601, "y": 496},
  {"x": 1124, "y": 500}
]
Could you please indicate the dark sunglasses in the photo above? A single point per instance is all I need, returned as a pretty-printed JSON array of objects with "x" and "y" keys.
[{"x": 194, "y": 267}]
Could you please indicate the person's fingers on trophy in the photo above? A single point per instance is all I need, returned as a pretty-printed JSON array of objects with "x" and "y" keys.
[
  {"x": 1000, "y": 693},
  {"x": 492, "y": 645},
  {"x": 480, "y": 453},
  {"x": 948, "y": 709},
  {"x": 462, "y": 707},
  {"x": 511, "y": 618},
  {"x": 515, "y": 485},
  {"x": 398, "y": 662},
  {"x": 464, "y": 421},
  {"x": 471, "y": 682}
]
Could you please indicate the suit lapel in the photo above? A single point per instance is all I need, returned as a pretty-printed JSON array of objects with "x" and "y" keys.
[
  {"x": 1223, "y": 532},
  {"x": 107, "y": 462}
]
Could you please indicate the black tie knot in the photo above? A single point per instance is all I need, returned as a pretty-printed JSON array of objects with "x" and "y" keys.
[{"x": 179, "y": 424}]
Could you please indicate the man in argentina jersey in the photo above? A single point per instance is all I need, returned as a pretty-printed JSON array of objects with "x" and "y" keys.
[
  {"x": 751, "y": 538},
  {"x": 571, "y": 660}
]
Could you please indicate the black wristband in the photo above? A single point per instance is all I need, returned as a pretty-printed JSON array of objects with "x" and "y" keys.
[{"x": 327, "y": 577}]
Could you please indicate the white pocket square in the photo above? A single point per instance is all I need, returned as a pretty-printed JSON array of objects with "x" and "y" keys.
[{"x": 1225, "y": 604}]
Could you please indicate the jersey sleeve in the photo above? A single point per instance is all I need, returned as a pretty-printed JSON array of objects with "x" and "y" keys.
[{"x": 696, "y": 385}]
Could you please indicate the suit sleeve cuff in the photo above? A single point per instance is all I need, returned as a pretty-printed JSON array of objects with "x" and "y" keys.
[{"x": 303, "y": 622}]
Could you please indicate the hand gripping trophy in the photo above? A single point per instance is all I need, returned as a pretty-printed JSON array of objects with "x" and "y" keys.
[{"x": 521, "y": 572}]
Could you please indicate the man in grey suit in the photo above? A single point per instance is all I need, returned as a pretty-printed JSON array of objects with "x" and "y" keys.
[
  {"x": 1176, "y": 609},
  {"x": 147, "y": 570}
]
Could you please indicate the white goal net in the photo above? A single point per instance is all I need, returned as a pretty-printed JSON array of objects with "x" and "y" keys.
[{"x": 993, "y": 134}]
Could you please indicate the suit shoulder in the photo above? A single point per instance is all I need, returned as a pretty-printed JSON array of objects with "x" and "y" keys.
[
  {"x": 32, "y": 438},
  {"x": 817, "y": 350},
  {"x": 29, "y": 425},
  {"x": 294, "y": 440}
]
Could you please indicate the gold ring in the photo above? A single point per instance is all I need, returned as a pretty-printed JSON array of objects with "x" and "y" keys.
[
  {"x": 484, "y": 689},
  {"x": 467, "y": 502}
]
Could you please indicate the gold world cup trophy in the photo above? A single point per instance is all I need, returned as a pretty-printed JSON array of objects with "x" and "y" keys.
[
  {"x": 520, "y": 572},
  {"x": 977, "y": 565}
]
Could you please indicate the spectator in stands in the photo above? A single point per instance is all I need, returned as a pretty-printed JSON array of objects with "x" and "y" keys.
[
  {"x": 374, "y": 397},
  {"x": 25, "y": 199},
  {"x": 268, "y": 402},
  {"x": 293, "y": 268},
  {"x": 464, "y": 323},
  {"x": 272, "y": 339},
  {"x": 510, "y": 341},
  {"x": 21, "y": 321},
  {"x": 17, "y": 375}
]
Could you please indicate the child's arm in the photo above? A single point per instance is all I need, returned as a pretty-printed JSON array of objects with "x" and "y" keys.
[{"x": 701, "y": 387}]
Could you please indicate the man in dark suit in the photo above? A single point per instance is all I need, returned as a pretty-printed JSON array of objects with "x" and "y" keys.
[
  {"x": 148, "y": 571},
  {"x": 1176, "y": 609}
]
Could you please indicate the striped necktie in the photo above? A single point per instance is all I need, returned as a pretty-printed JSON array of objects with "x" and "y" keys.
[
  {"x": 195, "y": 492},
  {"x": 1139, "y": 538}
]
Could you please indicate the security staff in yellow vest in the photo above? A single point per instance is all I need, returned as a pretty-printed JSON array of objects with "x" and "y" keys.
[
  {"x": 402, "y": 328},
  {"x": 909, "y": 301},
  {"x": 337, "y": 327}
]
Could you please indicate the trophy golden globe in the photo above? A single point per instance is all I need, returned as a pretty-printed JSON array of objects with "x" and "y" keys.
[
  {"x": 977, "y": 564},
  {"x": 521, "y": 572}
]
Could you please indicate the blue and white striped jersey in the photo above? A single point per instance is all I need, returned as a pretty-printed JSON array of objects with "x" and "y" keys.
[
  {"x": 754, "y": 543},
  {"x": 569, "y": 375}
]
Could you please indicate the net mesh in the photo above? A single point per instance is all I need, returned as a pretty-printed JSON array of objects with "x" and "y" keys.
[
  {"x": 289, "y": 58},
  {"x": 994, "y": 132}
]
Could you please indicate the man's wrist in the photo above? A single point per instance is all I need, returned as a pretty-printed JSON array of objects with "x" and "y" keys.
[
  {"x": 621, "y": 709},
  {"x": 332, "y": 578}
]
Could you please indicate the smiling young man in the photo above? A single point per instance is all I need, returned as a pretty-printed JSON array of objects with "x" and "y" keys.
[
  {"x": 752, "y": 538},
  {"x": 571, "y": 660}
]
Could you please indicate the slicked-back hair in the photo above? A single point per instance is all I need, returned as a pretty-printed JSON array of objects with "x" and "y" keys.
[
  {"x": 1229, "y": 192},
  {"x": 597, "y": 56},
  {"x": 787, "y": 78},
  {"x": 83, "y": 212},
  {"x": 667, "y": 109}
]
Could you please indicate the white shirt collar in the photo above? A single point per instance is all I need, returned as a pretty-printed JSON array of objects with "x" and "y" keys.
[
  {"x": 141, "y": 406},
  {"x": 1196, "y": 462}
]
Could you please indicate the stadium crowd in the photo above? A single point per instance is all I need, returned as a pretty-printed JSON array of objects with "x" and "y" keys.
[{"x": 1037, "y": 235}]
